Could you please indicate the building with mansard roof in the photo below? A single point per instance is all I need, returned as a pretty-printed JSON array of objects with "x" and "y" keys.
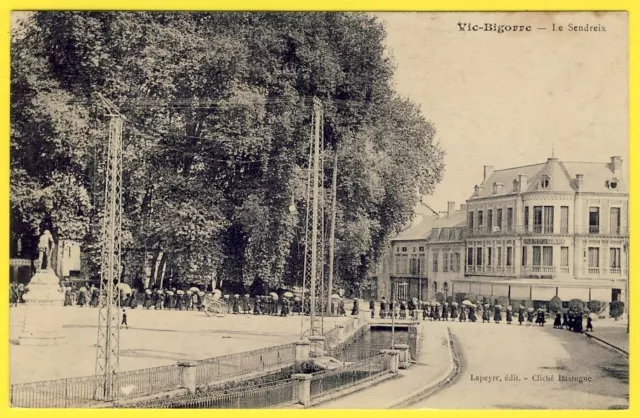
[{"x": 554, "y": 228}]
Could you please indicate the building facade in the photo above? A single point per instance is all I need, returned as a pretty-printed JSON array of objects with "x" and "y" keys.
[{"x": 555, "y": 228}]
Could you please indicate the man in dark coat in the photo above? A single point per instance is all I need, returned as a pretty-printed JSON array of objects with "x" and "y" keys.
[
  {"x": 383, "y": 308},
  {"x": 355, "y": 310},
  {"x": 372, "y": 307},
  {"x": 557, "y": 323}
]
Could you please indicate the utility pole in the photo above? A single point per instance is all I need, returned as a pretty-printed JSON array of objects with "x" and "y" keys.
[
  {"x": 393, "y": 315},
  {"x": 108, "y": 346},
  {"x": 332, "y": 232}
]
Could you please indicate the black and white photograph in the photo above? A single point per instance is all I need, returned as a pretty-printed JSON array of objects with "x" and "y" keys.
[{"x": 319, "y": 210}]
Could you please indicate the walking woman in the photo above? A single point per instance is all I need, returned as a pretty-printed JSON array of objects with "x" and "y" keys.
[
  {"x": 497, "y": 317},
  {"x": 557, "y": 323},
  {"x": 486, "y": 314},
  {"x": 454, "y": 310},
  {"x": 521, "y": 314},
  {"x": 134, "y": 299},
  {"x": 463, "y": 314},
  {"x": 509, "y": 315},
  {"x": 530, "y": 316},
  {"x": 565, "y": 321},
  {"x": 472, "y": 313},
  {"x": 445, "y": 311}
]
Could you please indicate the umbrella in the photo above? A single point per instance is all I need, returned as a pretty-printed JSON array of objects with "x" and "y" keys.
[
  {"x": 160, "y": 291},
  {"x": 530, "y": 309},
  {"x": 217, "y": 292},
  {"x": 466, "y": 302},
  {"x": 148, "y": 291},
  {"x": 521, "y": 307},
  {"x": 454, "y": 303},
  {"x": 180, "y": 292},
  {"x": 194, "y": 289},
  {"x": 335, "y": 296},
  {"x": 82, "y": 289},
  {"x": 236, "y": 296},
  {"x": 200, "y": 293},
  {"x": 509, "y": 308},
  {"x": 414, "y": 300},
  {"x": 498, "y": 306},
  {"x": 437, "y": 303},
  {"x": 188, "y": 292},
  {"x": 274, "y": 296},
  {"x": 297, "y": 299},
  {"x": 169, "y": 292},
  {"x": 288, "y": 295},
  {"x": 226, "y": 296},
  {"x": 124, "y": 288},
  {"x": 486, "y": 305},
  {"x": 247, "y": 296}
]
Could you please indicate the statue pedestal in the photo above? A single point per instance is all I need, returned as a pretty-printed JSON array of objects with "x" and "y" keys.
[{"x": 43, "y": 301}]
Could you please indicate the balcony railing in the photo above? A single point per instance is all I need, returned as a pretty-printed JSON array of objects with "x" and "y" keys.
[
  {"x": 594, "y": 229},
  {"x": 539, "y": 269},
  {"x": 615, "y": 271},
  {"x": 564, "y": 270},
  {"x": 593, "y": 270}
]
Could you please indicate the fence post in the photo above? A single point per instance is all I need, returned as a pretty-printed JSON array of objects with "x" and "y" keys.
[
  {"x": 302, "y": 350},
  {"x": 317, "y": 345},
  {"x": 302, "y": 388},
  {"x": 393, "y": 357},
  {"x": 405, "y": 356},
  {"x": 66, "y": 392},
  {"x": 188, "y": 375},
  {"x": 417, "y": 314}
]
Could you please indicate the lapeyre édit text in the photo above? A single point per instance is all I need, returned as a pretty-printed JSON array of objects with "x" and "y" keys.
[{"x": 494, "y": 27}]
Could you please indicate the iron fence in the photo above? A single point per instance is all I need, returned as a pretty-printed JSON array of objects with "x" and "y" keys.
[
  {"x": 269, "y": 395},
  {"x": 61, "y": 393},
  {"x": 328, "y": 381},
  {"x": 136, "y": 383},
  {"x": 218, "y": 368}
]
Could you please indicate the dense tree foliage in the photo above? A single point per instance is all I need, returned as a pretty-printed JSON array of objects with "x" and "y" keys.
[{"x": 216, "y": 136}]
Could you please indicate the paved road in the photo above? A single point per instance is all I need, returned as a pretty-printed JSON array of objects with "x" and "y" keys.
[{"x": 521, "y": 367}]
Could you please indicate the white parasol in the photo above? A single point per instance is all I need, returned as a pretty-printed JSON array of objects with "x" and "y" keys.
[
  {"x": 148, "y": 291},
  {"x": 335, "y": 296},
  {"x": 180, "y": 292},
  {"x": 123, "y": 287},
  {"x": 467, "y": 302},
  {"x": 194, "y": 289},
  {"x": 288, "y": 295}
]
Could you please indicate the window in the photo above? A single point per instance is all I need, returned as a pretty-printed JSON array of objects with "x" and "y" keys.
[
  {"x": 414, "y": 249},
  {"x": 564, "y": 256},
  {"x": 480, "y": 219},
  {"x": 412, "y": 266},
  {"x": 435, "y": 287},
  {"x": 451, "y": 263},
  {"x": 489, "y": 256},
  {"x": 509, "y": 219},
  {"x": 613, "y": 184},
  {"x": 537, "y": 219},
  {"x": 537, "y": 256},
  {"x": 509, "y": 256},
  {"x": 548, "y": 219},
  {"x": 615, "y": 221},
  {"x": 470, "y": 256},
  {"x": 445, "y": 288},
  {"x": 445, "y": 262},
  {"x": 398, "y": 265},
  {"x": 594, "y": 220},
  {"x": 479, "y": 256},
  {"x": 499, "y": 256},
  {"x": 499, "y": 219},
  {"x": 471, "y": 220},
  {"x": 404, "y": 249},
  {"x": 489, "y": 219},
  {"x": 435, "y": 262},
  {"x": 515, "y": 186},
  {"x": 544, "y": 182},
  {"x": 564, "y": 219},
  {"x": 456, "y": 262},
  {"x": 421, "y": 266},
  {"x": 452, "y": 234},
  {"x": 397, "y": 249},
  {"x": 594, "y": 257},
  {"x": 421, "y": 249},
  {"x": 614, "y": 258},
  {"x": 524, "y": 255},
  {"x": 547, "y": 256},
  {"x": 526, "y": 219}
]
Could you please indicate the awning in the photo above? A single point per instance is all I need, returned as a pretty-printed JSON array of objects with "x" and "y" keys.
[
  {"x": 542, "y": 293},
  {"x": 500, "y": 290},
  {"x": 486, "y": 289},
  {"x": 568, "y": 293},
  {"x": 474, "y": 288},
  {"x": 461, "y": 287},
  {"x": 603, "y": 295},
  {"x": 520, "y": 292}
]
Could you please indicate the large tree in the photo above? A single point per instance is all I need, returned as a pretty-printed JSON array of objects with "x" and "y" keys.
[{"x": 218, "y": 112}]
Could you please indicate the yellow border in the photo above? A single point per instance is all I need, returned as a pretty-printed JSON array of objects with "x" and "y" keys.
[{"x": 399, "y": 5}]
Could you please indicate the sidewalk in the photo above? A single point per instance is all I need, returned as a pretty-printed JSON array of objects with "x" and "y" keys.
[
  {"x": 435, "y": 365},
  {"x": 616, "y": 336}
]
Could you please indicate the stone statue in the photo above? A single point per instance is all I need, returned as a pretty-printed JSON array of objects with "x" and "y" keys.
[{"x": 45, "y": 251}]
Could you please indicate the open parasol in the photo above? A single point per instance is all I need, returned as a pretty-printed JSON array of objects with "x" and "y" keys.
[
  {"x": 530, "y": 309},
  {"x": 236, "y": 296},
  {"x": 169, "y": 292},
  {"x": 274, "y": 295},
  {"x": 226, "y": 296},
  {"x": 454, "y": 303},
  {"x": 288, "y": 295},
  {"x": 180, "y": 292},
  {"x": 148, "y": 291},
  {"x": 335, "y": 296},
  {"x": 247, "y": 296},
  {"x": 509, "y": 308},
  {"x": 297, "y": 299},
  {"x": 123, "y": 287},
  {"x": 498, "y": 306},
  {"x": 188, "y": 292},
  {"x": 466, "y": 302},
  {"x": 194, "y": 289},
  {"x": 200, "y": 293}
]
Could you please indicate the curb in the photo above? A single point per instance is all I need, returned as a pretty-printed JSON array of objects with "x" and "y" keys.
[
  {"x": 607, "y": 345},
  {"x": 439, "y": 383}
]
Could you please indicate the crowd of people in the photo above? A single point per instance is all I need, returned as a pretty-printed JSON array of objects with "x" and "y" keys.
[{"x": 470, "y": 312}]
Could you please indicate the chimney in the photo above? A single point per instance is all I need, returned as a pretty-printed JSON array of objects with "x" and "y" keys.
[
  {"x": 463, "y": 207},
  {"x": 522, "y": 180},
  {"x": 579, "y": 179},
  {"x": 451, "y": 207},
  {"x": 616, "y": 164},
  {"x": 488, "y": 170}
]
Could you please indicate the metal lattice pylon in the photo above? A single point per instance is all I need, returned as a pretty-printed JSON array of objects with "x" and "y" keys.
[
  {"x": 108, "y": 346},
  {"x": 313, "y": 276}
]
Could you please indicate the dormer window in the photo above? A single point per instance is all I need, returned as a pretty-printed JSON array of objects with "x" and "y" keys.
[
  {"x": 544, "y": 182},
  {"x": 515, "y": 185},
  {"x": 612, "y": 184},
  {"x": 476, "y": 190},
  {"x": 495, "y": 188}
]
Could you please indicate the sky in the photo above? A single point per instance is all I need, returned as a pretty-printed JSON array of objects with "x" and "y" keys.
[{"x": 512, "y": 99}]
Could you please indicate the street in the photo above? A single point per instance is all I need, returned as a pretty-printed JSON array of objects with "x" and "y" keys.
[{"x": 519, "y": 367}]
